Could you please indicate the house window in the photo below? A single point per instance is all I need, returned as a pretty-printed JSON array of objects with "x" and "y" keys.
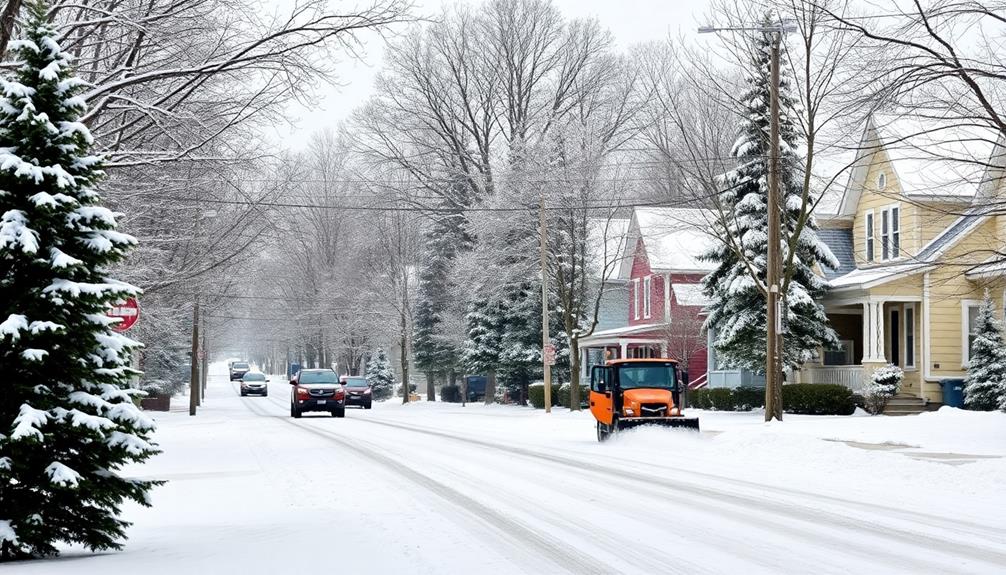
[
  {"x": 890, "y": 232},
  {"x": 881, "y": 181},
  {"x": 969, "y": 317},
  {"x": 869, "y": 236},
  {"x": 910, "y": 335},
  {"x": 635, "y": 299},
  {"x": 647, "y": 295},
  {"x": 842, "y": 356}
]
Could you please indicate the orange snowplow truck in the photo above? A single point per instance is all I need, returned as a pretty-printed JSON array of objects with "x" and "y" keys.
[{"x": 631, "y": 392}]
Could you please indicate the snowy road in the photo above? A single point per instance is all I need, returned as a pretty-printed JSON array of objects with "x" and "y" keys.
[{"x": 446, "y": 489}]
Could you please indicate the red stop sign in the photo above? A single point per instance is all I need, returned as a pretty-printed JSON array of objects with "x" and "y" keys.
[{"x": 128, "y": 312}]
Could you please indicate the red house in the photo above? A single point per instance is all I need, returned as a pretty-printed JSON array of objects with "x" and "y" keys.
[{"x": 661, "y": 270}]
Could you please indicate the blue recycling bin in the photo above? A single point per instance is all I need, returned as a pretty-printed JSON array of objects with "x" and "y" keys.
[{"x": 953, "y": 392}]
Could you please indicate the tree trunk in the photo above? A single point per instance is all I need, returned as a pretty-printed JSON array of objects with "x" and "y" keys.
[
  {"x": 430, "y": 385},
  {"x": 490, "y": 387},
  {"x": 7, "y": 19},
  {"x": 404, "y": 344},
  {"x": 574, "y": 374}
]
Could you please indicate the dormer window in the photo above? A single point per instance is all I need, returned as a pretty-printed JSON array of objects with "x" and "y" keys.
[{"x": 881, "y": 181}]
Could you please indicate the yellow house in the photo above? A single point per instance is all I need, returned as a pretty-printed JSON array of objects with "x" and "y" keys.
[{"x": 914, "y": 226}]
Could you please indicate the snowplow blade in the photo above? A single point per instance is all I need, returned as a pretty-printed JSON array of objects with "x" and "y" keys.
[{"x": 677, "y": 422}]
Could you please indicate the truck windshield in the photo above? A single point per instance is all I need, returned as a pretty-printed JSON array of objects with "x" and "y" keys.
[{"x": 652, "y": 375}]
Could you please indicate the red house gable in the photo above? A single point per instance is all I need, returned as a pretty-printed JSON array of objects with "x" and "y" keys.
[{"x": 642, "y": 280}]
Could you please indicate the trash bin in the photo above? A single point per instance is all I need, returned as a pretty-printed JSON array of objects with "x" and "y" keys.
[{"x": 953, "y": 392}]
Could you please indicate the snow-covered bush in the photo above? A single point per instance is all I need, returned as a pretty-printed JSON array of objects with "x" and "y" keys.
[
  {"x": 985, "y": 384},
  {"x": 380, "y": 376},
  {"x": 883, "y": 385},
  {"x": 817, "y": 399}
]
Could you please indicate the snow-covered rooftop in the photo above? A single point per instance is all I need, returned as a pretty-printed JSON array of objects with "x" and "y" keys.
[
  {"x": 676, "y": 237},
  {"x": 689, "y": 294},
  {"x": 866, "y": 278}
]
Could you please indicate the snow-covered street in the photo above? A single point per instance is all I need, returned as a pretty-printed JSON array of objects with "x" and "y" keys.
[{"x": 438, "y": 488}]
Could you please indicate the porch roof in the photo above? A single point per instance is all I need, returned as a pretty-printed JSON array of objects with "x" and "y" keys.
[
  {"x": 872, "y": 277},
  {"x": 639, "y": 331},
  {"x": 991, "y": 268}
]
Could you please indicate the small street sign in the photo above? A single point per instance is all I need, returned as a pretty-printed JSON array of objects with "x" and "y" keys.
[
  {"x": 128, "y": 312},
  {"x": 550, "y": 354}
]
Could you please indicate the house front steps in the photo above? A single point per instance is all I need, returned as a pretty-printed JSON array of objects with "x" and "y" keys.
[{"x": 905, "y": 405}]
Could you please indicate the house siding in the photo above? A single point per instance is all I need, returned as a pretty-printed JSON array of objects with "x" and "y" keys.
[{"x": 640, "y": 270}]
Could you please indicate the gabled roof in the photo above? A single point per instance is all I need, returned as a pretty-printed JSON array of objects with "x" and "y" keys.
[
  {"x": 934, "y": 161},
  {"x": 674, "y": 239},
  {"x": 872, "y": 277}
]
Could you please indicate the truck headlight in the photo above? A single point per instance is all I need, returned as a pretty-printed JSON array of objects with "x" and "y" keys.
[{"x": 628, "y": 411}]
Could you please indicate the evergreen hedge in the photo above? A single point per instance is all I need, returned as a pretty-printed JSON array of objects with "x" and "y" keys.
[
  {"x": 817, "y": 399},
  {"x": 536, "y": 395},
  {"x": 725, "y": 399},
  {"x": 450, "y": 393}
]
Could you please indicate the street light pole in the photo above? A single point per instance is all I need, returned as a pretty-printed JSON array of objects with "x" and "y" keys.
[
  {"x": 774, "y": 313},
  {"x": 194, "y": 371}
]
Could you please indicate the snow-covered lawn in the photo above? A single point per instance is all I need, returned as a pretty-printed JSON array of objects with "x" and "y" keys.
[{"x": 438, "y": 488}]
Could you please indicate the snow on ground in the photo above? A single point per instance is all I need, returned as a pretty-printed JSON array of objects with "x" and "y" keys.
[{"x": 438, "y": 488}]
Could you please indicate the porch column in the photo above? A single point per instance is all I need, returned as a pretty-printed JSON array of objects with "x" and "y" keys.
[
  {"x": 584, "y": 368},
  {"x": 663, "y": 351},
  {"x": 624, "y": 345},
  {"x": 873, "y": 332}
]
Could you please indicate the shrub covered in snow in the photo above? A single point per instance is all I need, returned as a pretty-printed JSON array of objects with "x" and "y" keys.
[
  {"x": 985, "y": 384},
  {"x": 723, "y": 399},
  {"x": 450, "y": 393},
  {"x": 817, "y": 399},
  {"x": 68, "y": 424},
  {"x": 380, "y": 376},
  {"x": 883, "y": 385}
]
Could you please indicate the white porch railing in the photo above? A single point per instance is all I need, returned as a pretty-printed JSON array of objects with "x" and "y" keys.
[{"x": 850, "y": 376}]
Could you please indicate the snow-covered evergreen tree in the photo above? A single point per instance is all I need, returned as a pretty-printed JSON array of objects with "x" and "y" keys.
[
  {"x": 737, "y": 310},
  {"x": 68, "y": 423},
  {"x": 434, "y": 351},
  {"x": 380, "y": 376},
  {"x": 985, "y": 384}
]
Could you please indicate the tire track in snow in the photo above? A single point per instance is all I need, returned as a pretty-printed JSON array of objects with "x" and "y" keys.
[
  {"x": 520, "y": 535},
  {"x": 965, "y": 550}
]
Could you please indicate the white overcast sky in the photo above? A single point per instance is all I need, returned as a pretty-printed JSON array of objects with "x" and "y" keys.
[{"x": 630, "y": 22}]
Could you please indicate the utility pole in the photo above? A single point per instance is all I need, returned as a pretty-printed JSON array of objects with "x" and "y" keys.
[
  {"x": 545, "y": 339},
  {"x": 773, "y": 377},
  {"x": 194, "y": 372},
  {"x": 773, "y": 320}
]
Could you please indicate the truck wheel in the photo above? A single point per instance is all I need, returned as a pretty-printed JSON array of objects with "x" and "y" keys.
[{"x": 602, "y": 432}]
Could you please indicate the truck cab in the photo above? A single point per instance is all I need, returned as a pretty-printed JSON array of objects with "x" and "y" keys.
[{"x": 632, "y": 392}]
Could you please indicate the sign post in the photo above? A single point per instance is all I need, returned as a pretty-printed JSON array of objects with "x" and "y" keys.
[{"x": 128, "y": 312}]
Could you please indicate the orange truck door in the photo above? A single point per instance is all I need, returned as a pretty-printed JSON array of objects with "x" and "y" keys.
[{"x": 600, "y": 393}]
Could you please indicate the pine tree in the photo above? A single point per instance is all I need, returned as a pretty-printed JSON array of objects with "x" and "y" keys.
[
  {"x": 738, "y": 308},
  {"x": 68, "y": 423},
  {"x": 432, "y": 349},
  {"x": 985, "y": 384},
  {"x": 380, "y": 376}
]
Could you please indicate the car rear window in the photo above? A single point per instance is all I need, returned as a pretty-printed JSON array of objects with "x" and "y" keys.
[{"x": 318, "y": 377}]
